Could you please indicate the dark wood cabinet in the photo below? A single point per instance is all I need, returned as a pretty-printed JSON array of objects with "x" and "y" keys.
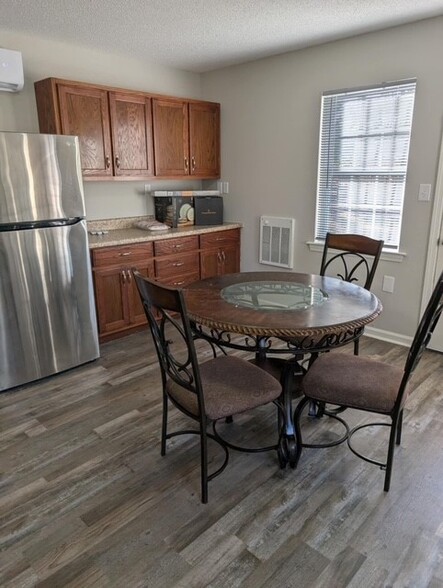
[
  {"x": 114, "y": 128},
  {"x": 219, "y": 253},
  {"x": 204, "y": 139},
  {"x": 117, "y": 300},
  {"x": 84, "y": 112},
  {"x": 130, "y": 135},
  {"x": 131, "y": 126},
  {"x": 171, "y": 143},
  {"x": 175, "y": 262},
  {"x": 187, "y": 138}
]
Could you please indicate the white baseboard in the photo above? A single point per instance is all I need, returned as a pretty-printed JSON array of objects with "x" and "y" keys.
[{"x": 388, "y": 336}]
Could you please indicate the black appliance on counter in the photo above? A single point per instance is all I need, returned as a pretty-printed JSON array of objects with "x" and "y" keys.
[{"x": 208, "y": 210}]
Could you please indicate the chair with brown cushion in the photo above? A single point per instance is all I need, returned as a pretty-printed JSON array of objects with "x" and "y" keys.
[
  {"x": 218, "y": 388},
  {"x": 354, "y": 259},
  {"x": 355, "y": 382}
]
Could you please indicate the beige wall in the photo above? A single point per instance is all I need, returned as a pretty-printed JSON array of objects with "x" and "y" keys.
[
  {"x": 42, "y": 59},
  {"x": 270, "y": 127}
]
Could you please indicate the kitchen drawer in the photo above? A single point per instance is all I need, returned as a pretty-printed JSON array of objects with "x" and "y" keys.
[
  {"x": 219, "y": 238},
  {"x": 180, "y": 281},
  {"x": 179, "y": 245},
  {"x": 176, "y": 265},
  {"x": 125, "y": 254}
]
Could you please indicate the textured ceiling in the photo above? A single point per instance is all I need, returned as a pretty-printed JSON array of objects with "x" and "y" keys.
[{"x": 202, "y": 35}]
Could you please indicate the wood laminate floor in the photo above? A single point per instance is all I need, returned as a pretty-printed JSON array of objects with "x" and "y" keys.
[{"x": 87, "y": 500}]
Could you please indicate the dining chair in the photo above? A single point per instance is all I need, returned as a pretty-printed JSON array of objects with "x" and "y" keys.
[
  {"x": 354, "y": 259},
  {"x": 352, "y": 381},
  {"x": 215, "y": 389}
]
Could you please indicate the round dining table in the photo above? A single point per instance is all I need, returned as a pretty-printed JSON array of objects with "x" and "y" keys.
[{"x": 252, "y": 311}]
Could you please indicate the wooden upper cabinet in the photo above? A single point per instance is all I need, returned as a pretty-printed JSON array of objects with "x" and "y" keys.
[
  {"x": 171, "y": 138},
  {"x": 84, "y": 112},
  {"x": 129, "y": 134},
  {"x": 204, "y": 139},
  {"x": 186, "y": 138},
  {"x": 131, "y": 124}
]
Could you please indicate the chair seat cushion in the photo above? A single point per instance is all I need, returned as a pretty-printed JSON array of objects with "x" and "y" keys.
[
  {"x": 353, "y": 381},
  {"x": 230, "y": 385}
]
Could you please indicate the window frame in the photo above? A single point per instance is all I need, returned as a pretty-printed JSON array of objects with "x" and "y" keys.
[{"x": 328, "y": 172}]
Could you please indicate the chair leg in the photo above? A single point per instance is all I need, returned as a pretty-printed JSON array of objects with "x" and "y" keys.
[
  {"x": 399, "y": 427},
  {"x": 297, "y": 414},
  {"x": 356, "y": 346},
  {"x": 390, "y": 460},
  {"x": 204, "y": 461},
  {"x": 164, "y": 424}
]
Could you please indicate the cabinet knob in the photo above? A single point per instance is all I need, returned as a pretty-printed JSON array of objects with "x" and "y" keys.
[
  {"x": 186, "y": 164},
  {"x": 117, "y": 161},
  {"x": 107, "y": 162},
  {"x": 123, "y": 275},
  {"x": 193, "y": 163}
]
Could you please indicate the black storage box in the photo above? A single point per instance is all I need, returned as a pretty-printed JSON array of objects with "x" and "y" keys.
[
  {"x": 175, "y": 211},
  {"x": 208, "y": 210}
]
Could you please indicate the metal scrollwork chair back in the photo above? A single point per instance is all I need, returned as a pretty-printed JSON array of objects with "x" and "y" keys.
[
  {"x": 356, "y": 260},
  {"x": 218, "y": 388},
  {"x": 365, "y": 384}
]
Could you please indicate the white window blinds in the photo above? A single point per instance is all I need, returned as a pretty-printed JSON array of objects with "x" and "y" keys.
[{"x": 364, "y": 146}]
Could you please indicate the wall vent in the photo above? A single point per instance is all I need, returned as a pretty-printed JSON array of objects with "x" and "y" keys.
[{"x": 277, "y": 241}]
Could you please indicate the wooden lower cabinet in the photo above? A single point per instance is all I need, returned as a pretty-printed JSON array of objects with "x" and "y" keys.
[
  {"x": 174, "y": 262},
  {"x": 177, "y": 261},
  {"x": 119, "y": 308},
  {"x": 219, "y": 253}
]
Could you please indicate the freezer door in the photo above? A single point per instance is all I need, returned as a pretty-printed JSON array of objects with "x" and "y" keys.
[
  {"x": 47, "y": 311},
  {"x": 40, "y": 178}
]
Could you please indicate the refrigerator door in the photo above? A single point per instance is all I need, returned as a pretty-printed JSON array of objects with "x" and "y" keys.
[
  {"x": 47, "y": 312},
  {"x": 40, "y": 178}
]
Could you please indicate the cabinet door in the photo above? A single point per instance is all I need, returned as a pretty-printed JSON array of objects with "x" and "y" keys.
[
  {"x": 84, "y": 112},
  {"x": 210, "y": 263},
  {"x": 131, "y": 125},
  {"x": 231, "y": 259},
  {"x": 171, "y": 139},
  {"x": 137, "y": 314},
  {"x": 204, "y": 139},
  {"x": 111, "y": 298}
]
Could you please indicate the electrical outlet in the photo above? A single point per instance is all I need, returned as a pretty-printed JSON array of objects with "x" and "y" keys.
[
  {"x": 424, "y": 192},
  {"x": 225, "y": 187},
  {"x": 147, "y": 189},
  {"x": 388, "y": 284}
]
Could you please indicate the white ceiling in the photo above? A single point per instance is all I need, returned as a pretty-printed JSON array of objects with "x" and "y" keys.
[{"x": 202, "y": 35}]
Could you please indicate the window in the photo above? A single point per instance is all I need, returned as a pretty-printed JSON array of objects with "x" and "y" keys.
[{"x": 364, "y": 146}]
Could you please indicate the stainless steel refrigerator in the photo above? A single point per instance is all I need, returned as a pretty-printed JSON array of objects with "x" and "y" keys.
[{"x": 47, "y": 311}]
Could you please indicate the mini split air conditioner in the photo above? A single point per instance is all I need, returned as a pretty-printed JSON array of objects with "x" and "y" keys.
[{"x": 11, "y": 71}]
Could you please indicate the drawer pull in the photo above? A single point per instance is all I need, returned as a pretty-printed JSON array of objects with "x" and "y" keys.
[
  {"x": 178, "y": 264},
  {"x": 123, "y": 275},
  {"x": 126, "y": 253},
  {"x": 177, "y": 246},
  {"x": 178, "y": 283}
]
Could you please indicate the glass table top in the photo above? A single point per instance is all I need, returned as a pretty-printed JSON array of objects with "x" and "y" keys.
[{"x": 273, "y": 295}]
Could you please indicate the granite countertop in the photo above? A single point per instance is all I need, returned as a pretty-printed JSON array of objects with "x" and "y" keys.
[{"x": 123, "y": 232}]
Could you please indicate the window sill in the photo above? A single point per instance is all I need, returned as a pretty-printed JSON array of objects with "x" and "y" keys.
[{"x": 397, "y": 256}]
